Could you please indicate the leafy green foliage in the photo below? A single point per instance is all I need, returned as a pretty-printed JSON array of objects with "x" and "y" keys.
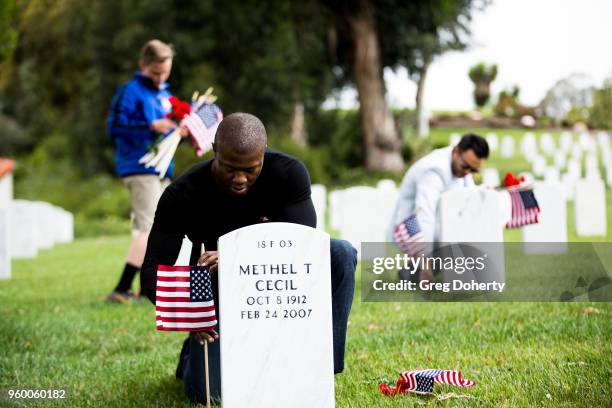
[
  {"x": 482, "y": 75},
  {"x": 601, "y": 111}
]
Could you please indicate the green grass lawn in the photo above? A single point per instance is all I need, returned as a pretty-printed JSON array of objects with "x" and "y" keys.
[{"x": 56, "y": 331}]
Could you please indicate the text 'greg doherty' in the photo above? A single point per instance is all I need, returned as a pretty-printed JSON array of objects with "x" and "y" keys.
[{"x": 456, "y": 286}]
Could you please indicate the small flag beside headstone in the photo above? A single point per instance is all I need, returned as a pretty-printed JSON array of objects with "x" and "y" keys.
[{"x": 184, "y": 299}]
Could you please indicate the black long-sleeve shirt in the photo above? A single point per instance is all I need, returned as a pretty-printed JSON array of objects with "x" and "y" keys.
[{"x": 193, "y": 205}]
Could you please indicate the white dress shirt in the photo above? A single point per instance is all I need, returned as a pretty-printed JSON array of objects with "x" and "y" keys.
[{"x": 420, "y": 192}]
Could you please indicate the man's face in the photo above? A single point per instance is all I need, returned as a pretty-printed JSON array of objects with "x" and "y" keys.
[
  {"x": 235, "y": 173},
  {"x": 157, "y": 72},
  {"x": 464, "y": 163}
]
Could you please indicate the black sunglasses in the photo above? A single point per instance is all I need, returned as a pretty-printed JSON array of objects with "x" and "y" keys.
[{"x": 465, "y": 166}]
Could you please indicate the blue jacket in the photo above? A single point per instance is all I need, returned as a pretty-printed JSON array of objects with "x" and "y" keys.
[{"x": 135, "y": 105}]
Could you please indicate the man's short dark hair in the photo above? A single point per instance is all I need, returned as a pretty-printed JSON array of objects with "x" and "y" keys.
[
  {"x": 477, "y": 143},
  {"x": 242, "y": 132}
]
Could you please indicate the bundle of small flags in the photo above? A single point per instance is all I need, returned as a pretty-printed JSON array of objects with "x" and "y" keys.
[
  {"x": 201, "y": 117},
  {"x": 525, "y": 208},
  {"x": 184, "y": 299},
  {"x": 422, "y": 381},
  {"x": 408, "y": 236}
]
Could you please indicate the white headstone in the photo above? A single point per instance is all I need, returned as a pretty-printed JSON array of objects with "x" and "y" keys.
[
  {"x": 505, "y": 207},
  {"x": 24, "y": 218},
  {"x": 587, "y": 143},
  {"x": 360, "y": 218},
  {"x": 275, "y": 314},
  {"x": 386, "y": 184},
  {"x": 184, "y": 256},
  {"x": 529, "y": 146},
  {"x": 560, "y": 159},
  {"x": 463, "y": 209},
  {"x": 529, "y": 179},
  {"x": 552, "y": 221},
  {"x": 46, "y": 225},
  {"x": 603, "y": 140},
  {"x": 547, "y": 144},
  {"x": 490, "y": 177},
  {"x": 454, "y": 139},
  {"x": 552, "y": 175},
  {"x": 590, "y": 207},
  {"x": 609, "y": 175},
  {"x": 65, "y": 231},
  {"x": 568, "y": 185},
  {"x": 566, "y": 141},
  {"x": 335, "y": 208},
  {"x": 492, "y": 141},
  {"x": 539, "y": 165},
  {"x": 6, "y": 197},
  {"x": 476, "y": 216},
  {"x": 507, "y": 147},
  {"x": 592, "y": 166},
  {"x": 6, "y": 190},
  {"x": 591, "y": 161},
  {"x": 576, "y": 152},
  {"x": 574, "y": 169},
  {"x": 606, "y": 156},
  {"x": 5, "y": 255},
  {"x": 387, "y": 198},
  {"x": 319, "y": 199}
]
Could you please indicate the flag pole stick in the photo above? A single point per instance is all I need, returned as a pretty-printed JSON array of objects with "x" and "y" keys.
[{"x": 206, "y": 374}]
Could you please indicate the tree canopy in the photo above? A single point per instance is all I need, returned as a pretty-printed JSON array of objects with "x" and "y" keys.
[{"x": 62, "y": 60}]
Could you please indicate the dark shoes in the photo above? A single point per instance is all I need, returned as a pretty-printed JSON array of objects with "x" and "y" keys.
[{"x": 123, "y": 298}]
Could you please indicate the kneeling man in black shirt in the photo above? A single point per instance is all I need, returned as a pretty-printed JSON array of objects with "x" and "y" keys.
[{"x": 244, "y": 184}]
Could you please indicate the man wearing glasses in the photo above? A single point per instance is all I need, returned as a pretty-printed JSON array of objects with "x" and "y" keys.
[{"x": 425, "y": 181}]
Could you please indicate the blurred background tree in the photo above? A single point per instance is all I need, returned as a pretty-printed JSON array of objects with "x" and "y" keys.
[
  {"x": 601, "y": 111},
  {"x": 482, "y": 75},
  {"x": 61, "y": 62},
  {"x": 568, "y": 99},
  {"x": 414, "y": 33}
]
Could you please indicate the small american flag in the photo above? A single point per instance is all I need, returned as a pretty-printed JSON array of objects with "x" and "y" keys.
[
  {"x": 409, "y": 237},
  {"x": 422, "y": 381},
  {"x": 202, "y": 123},
  {"x": 525, "y": 208},
  {"x": 184, "y": 299}
]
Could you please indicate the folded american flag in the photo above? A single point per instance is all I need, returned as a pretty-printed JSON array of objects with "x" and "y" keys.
[
  {"x": 525, "y": 208},
  {"x": 184, "y": 299},
  {"x": 408, "y": 236},
  {"x": 422, "y": 381},
  {"x": 202, "y": 123}
]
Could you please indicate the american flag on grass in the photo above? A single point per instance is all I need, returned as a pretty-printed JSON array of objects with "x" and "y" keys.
[
  {"x": 422, "y": 381},
  {"x": 525, "y": 208},
  {"x": 202, "y": 123},
  {"x": 409, "y": 237},
  {"x": 184, "y": 299}
]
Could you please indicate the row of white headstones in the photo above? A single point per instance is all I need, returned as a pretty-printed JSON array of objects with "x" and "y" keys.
[
  {"x": 28, "y": 226},
  {"x": 478, "y": 214},
  {"x": 555, "y": 163}
]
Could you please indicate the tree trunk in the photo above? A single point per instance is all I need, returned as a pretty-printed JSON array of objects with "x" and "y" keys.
[
  {"x": 298, "y": 126},
  {"x": 382, "y": 147},
  {"x": 422, "y": 128}
]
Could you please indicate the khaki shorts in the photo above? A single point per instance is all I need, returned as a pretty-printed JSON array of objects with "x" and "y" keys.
[{"x": 145, "y": 191}]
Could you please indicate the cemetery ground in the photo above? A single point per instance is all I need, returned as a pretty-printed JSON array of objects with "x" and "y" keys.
[{"x": 56, "y": 331}]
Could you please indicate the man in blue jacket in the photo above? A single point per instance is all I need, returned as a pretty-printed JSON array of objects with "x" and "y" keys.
[{"x": 137, "y": 117}]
